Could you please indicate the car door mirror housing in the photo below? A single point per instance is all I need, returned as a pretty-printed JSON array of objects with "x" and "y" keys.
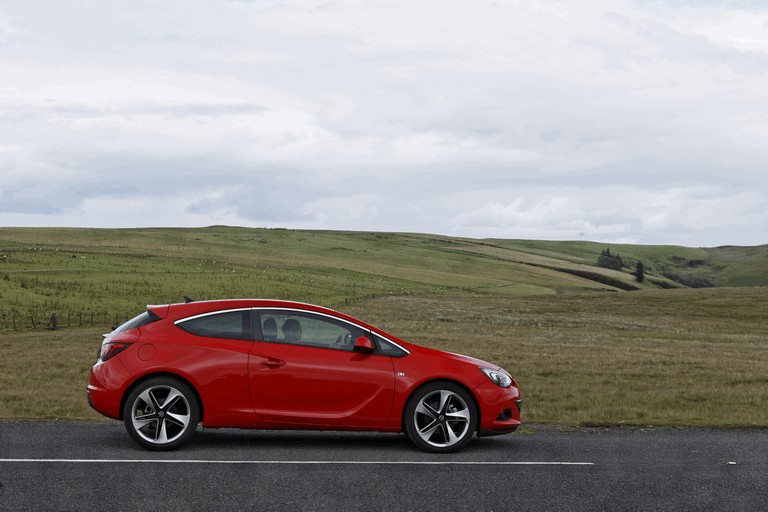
[{"x": 364, "y": 346}]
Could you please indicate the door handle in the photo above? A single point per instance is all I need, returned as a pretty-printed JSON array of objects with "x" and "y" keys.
[{"x": 273, "y": 363}]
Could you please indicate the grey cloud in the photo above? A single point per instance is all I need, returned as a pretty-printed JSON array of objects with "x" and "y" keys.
[
  {"x": 679, "y": 4},
  {"x": 175, "y": 110},
  {"x": 290, "y": 123},
  {"x": 685, "y": 48},
  {"x": 19, "y": 201}
]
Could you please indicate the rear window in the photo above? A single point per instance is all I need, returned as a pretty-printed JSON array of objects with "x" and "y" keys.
[
  {"x": 145, "y": 318},
  {"x": 234, "y": 325}
]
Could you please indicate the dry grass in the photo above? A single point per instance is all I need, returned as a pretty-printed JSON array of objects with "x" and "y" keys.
[
  {"x": 682, "y": 357},
  {"x": 43, "y": 374},
  {"x": 674, "y": 357}
]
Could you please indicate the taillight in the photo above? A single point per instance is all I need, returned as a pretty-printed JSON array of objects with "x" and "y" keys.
[{"x": 111, "y": 349}]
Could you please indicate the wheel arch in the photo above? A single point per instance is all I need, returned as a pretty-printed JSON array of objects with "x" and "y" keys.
[
  {"x": 475, "y": 403},
  {"x": 171, "y": 375}
]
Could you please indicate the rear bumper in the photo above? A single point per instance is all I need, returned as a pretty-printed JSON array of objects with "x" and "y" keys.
[
  {"x": 101, "y": 401},
  {"x": 105, "y": 387}
]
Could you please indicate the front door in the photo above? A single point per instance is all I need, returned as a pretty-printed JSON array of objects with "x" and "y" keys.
[{"x": 305, "y": 373}]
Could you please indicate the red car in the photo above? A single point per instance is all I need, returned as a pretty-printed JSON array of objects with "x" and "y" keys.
[{"x": 272, "y": 364}]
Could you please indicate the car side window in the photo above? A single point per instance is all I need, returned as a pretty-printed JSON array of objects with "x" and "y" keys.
[
  {"x": 387, "y": 348},
  {"x": 301, "y": 328},
  {"x": 229, "y": 324}
]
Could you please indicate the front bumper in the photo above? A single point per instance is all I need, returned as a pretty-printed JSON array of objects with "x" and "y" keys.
[
  {"x": 499, "y": 409},
  {"x": 507, "y": 421}
]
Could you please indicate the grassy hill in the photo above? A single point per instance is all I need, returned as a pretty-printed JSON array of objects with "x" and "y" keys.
[
  {"x": 688, "y": 267},
  {"x": 584, "y": 350},
  {"x": 109, "y": 274}
]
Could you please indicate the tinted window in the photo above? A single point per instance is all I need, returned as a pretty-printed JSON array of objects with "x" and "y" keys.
[
  {"x": 308, "y": 329},
  {"x": 229, "y": 324},
  {"x": 145, "y": 318},
  {"x": 387, "y": 348}
]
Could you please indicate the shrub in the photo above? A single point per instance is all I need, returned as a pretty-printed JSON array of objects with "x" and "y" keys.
[{"x": 608, "y": 260}]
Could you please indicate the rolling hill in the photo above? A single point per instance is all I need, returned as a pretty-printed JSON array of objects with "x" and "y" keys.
[
  {"x": 112, "y": 273},
  {"x": 585, "y": 349}
]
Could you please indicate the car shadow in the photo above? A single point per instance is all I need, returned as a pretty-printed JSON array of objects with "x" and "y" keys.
[
  {"x": 296, "y": 440},
  {"x": 282, "y": 443}
]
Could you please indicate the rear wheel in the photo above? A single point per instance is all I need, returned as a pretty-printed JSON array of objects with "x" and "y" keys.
[
  {"x": 440, "y": 417},
  {"x": 161, "y": 413}
]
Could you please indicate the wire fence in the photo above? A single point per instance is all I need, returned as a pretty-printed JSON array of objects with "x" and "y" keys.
[{"x": 19, "y": 321}]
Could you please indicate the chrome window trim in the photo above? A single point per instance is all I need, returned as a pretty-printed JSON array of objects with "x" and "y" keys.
[{"x": 210, "y": 313}]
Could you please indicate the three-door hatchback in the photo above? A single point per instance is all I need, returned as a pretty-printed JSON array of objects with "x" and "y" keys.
[{"x": 271, "y": 364}]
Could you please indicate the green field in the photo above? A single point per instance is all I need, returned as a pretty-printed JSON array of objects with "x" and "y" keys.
[{"x": 584, "y": 350}]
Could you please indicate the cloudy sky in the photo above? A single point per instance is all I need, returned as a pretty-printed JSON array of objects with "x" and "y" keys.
[{"x": 632, "y": 121}]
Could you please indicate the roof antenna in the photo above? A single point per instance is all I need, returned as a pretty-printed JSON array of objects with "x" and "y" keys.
[{"x": 187, "y": 300}]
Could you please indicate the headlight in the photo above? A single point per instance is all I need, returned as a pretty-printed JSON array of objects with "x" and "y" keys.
[{"x": 498, "y": 377}]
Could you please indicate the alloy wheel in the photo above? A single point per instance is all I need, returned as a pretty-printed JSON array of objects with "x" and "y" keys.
[
  {"x": 440, "y": 418},
  {"x": 161, "y": 414}
]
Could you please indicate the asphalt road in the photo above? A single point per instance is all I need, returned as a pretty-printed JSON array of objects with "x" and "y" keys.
[{"x": 79, "y": 466}]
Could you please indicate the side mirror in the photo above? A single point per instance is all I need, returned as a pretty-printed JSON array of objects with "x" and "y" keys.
[{"x": 364, "y": 346}]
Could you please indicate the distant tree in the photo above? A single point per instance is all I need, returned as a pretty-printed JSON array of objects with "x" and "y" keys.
[
  {"x": 640, "y": 272},
  {"x": 608, "y": 260}
]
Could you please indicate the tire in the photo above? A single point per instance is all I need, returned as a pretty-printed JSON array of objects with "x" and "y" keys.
[
  {"x": 440, "y": 417},
  {"x": 161, "y": 413}
]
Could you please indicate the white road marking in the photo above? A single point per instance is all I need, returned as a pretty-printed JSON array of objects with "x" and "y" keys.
[{"x": 317, "y": 462}]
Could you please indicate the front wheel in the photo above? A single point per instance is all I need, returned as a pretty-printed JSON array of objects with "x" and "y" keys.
[
  {"x": 161, "y": 413},
  {"x": 440, "y": 417}
]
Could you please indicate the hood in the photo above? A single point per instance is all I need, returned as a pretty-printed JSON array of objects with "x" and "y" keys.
[{"x": 458, "y": 357}]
